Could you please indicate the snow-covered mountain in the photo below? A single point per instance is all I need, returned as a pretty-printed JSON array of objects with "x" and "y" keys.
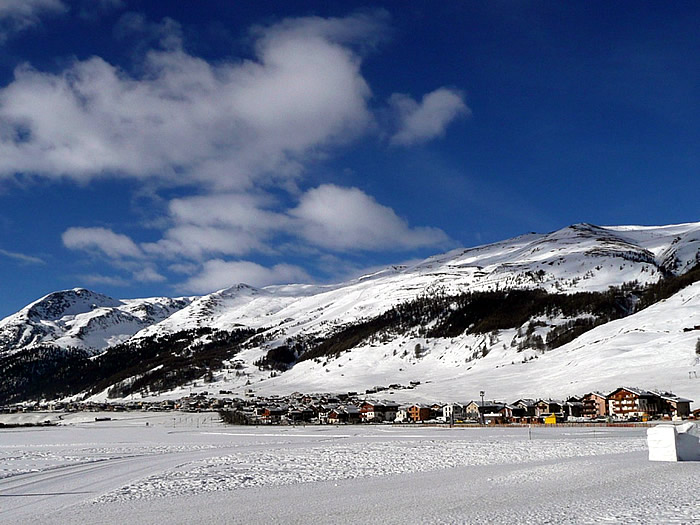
[
  {"x": 652, "y": 347},
  {"x": 581, "y": 257},
  {"x": 83, "y": 319}
]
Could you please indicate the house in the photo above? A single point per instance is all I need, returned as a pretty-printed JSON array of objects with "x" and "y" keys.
[
  {"x": 378, "y": 412},
  {"x": 472, "y": 411},
  {"x": 595, "y": 405},
  {"x": 369, "y": 411},
  {"x": 272, "y": 414},
  {"x": 673, "y": 405},
  {"x": 418, "y": 412},
  {"x": 497, "y": 413},
  {"x": 546, "y": 407},
  {"x": 572, "y": 408},
  {"x": 527, "y": 405},
  {"x": 452, "y": 412},
  {"x": 401, "y": 415},
  {"x": 323, "y": 411},
  {"x": 488, "y": 412},
  {"x": 435, "y": 410},
  {"x": 632, "y": 403},
  {"x": 390, "y": 410},
  {"x": 301, "y": 414},
  {"x": 337, "y": 415},
  {"x": 353, "y": 413}
]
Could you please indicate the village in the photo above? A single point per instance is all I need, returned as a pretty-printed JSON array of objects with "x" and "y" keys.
[{"x": 622, "y": 405}]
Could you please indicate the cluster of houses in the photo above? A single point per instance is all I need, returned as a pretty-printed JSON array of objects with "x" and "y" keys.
[
  {"x": 200, "y": 402},
  {"x": 622, "y": 404}
]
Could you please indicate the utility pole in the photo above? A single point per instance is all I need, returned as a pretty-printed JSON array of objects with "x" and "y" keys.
[{"x": 483, "y": 419}]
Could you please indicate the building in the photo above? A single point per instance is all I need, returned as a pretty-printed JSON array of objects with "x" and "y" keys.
[
  {"x": 672, "y": 405},
  {"x": 418, "y": 413},
  {"x": 632, "y": 403},
  {"x": 452, "y": 412},
  {"x": 595, "y": 405}
]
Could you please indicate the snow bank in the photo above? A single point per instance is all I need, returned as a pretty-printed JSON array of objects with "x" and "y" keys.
[{"x": 671, "y": 443}]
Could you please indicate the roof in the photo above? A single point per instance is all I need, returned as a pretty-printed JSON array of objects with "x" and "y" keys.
[{"x": 670, "y": 396}]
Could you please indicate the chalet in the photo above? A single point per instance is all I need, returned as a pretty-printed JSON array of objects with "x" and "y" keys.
[
  {"x": 519, "y": 414},
  {"x": 390, "y": 410},
  {"x": 272, "y": 414},
  {"x": 418, "y": 413},
  {"x": 452, "y": 412},
  {"x": 595, "y": 405},
  {"x": 672, "y": 405},
  {"x": 472, "y": 411},
  {"x": 303, "y": 414},
  {"x": 353, "y": 413},
  {"x": 323, "y": 411},
  {"x": 546, "y": 407},
  {"x": 527, "y": 405},
  {"x": 337, "y": 415},
  {"x": 497, "y": 413},
  {"x": 378, "y": 412},
  {"x": 632, "y": 403},
  {"x": 572, "y": 408},
  {"x": 401, "y": 415},
  {"x": 488, "y": 412},
  {"x": 369, "y": 411}
]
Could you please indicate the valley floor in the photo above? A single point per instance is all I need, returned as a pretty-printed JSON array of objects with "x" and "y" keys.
[{"x": 188, "y": 468}]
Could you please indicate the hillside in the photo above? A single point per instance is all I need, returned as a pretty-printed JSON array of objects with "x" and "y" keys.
[{"x": 531, "y": 315}]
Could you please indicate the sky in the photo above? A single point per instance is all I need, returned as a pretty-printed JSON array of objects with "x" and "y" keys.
[{"x": 175, "y": 148}]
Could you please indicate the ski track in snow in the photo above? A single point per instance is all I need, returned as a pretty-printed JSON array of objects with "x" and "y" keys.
[
  {"x": 334, "y": 462},
  {"x": 193, "y": 470}
]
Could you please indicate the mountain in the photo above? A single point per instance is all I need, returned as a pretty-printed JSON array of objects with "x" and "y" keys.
[
  {"x": 580, "y": 308},
  {"x": 83, "y": 319}
]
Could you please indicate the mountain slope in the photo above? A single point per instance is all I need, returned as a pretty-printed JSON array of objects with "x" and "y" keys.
[
  {"x": 83, "y": 319},
  {"x": 453, "y": 322}
]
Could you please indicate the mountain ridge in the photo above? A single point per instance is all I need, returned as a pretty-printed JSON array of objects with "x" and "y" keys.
[{"x": 285, "y": 321}]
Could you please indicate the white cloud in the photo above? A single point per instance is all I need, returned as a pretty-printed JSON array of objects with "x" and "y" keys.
[
  {"x": 330, "y": 217},
  {"x": 92, "y": 279},
  {"x": 427, "y": 120},
  {"x": 17, "y": 15},
  {"x": 347, "y": 219},
  {"x": 185, "y": 120},
  {"x": 112, "y": 244},
  {"x": 223, "y": 224},
  {"x": 233, "y": 130},
  {"x": 217, "y": 274},
  {"x": 148, "y": 275},
  {"x": 30, "y": 259}
]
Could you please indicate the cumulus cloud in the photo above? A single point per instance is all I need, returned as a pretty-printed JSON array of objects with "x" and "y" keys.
[
  {"x": 186, "y": 121},
  {"x": 148, "y": 275},
  {"x": 18, "y": 15},
  {"x": 238, "y": 131},
  {"x": 114, "y": 245},
  {"x": 217, "y": 274},
  {"x": 420, "y": 122},
  {"x": 329, "y": 217},
  {"x": 226, "y": 224},
  {"x": 346, "y": 219}
]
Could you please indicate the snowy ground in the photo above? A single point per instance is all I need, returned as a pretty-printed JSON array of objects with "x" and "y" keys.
[{"x": 184, "y": 468}]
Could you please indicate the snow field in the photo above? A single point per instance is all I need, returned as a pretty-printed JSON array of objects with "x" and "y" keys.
[{"x": 185, "y": 468}]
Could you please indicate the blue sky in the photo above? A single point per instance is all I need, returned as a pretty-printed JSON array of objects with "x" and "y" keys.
[{"x": 169, "y": 148}]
